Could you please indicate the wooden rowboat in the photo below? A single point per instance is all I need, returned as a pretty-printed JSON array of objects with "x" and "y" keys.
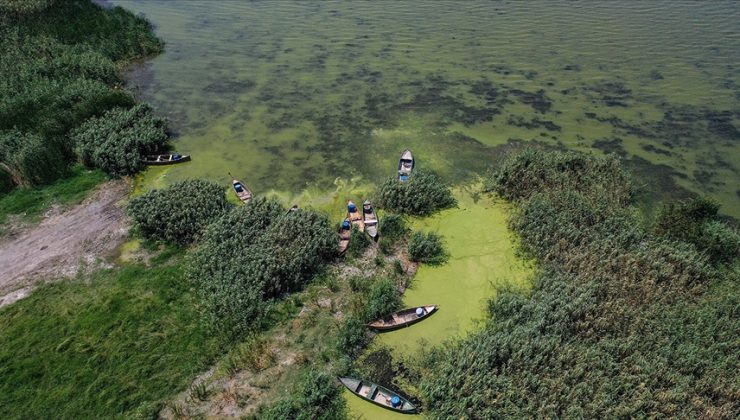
[
  {"x": 354, "y": 215},
  {"x": 345, "y": 232},
  {"x": 241, "y": 190},
  {"x": 379, "y": 395},
  {"x": 370, "y": 219},
  {"x": 405, "y": 165},
  {"x": 165, "y": 159},
  {"x": 402, "y": 318}
]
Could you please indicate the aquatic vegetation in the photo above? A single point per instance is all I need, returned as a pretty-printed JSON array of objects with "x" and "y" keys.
[
  {"x": 250, "y": 256},
  {"x": 630, "y": 308},
  {"x": 427, "y": 248},
  {"x": 423, "y": 194},
  {"x": 117, "y": 141},
  {"x": 179, "y": 213}
]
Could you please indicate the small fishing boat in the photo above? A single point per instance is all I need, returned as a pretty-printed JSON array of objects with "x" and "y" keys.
[
  {"x": 405, "y": 165},
  {"x": 165, "y": 159},
  {"x": 241, "y": 190},
  {"x": 354, "y": 216},
  {"x": 379, "y": 395},
  {"x": 402, "y": 318},
  {"x": 345, "y": 231},
  {"x": 370, "y": 219}
]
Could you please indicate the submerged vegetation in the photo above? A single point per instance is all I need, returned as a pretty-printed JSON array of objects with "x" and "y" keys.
[
  {"x": 59, "y": 63},
  {"x": 618, "y": 323}
]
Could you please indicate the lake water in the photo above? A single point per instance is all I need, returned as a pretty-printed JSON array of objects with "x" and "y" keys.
[
  {"x": 292, "y": 95},
  {"x": 314, "y": 101}
]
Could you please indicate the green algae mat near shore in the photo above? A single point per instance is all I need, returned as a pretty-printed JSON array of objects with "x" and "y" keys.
[
  {"x": 482, "y": 260},
  {"x": 291, "y": 95}
]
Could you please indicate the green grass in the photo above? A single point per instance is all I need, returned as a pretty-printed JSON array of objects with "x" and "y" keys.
[
  {"x": 116, "y": 345},
  {"x": 32, "y": 202}
]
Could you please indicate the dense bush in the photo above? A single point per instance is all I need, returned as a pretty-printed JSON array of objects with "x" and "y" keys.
[
  {"x": 696, "y": 221},
  {"x": 58, "y": 68},
  {"x": 180, "y": 212},
  {"x": 28, "y": 159},
  {"x": 352, "y": 336},
  {"x": 533, "y": 169},
  {"x": 116, "y": 141},
  {"x": 23, "y": 7},
  {"x": 358, "y": 243},
  {"x": 393, "y": 227},
  {"x": 253, "y": 254},
  {"x": 423, "y": 194},
  {"x": 382, "y": 299},
  {"x": 319, "y": 398},
  {"x": 620, "y": 323},
  {"x": 427, "y": 248}
]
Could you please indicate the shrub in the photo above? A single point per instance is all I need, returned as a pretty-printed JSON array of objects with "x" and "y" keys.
[
  {"x": 180, "y": 212},
  {"x": 22, "y": 7},
  {"x": 318, "y": 398},
  {"x": 535, "y": 170},
  {"x": 393, "y": 227},
  {"x": 117, "y": 141},
  {"x": 253, "y": 254},
  {"x": 696, "y": 221},
  {"x": 280, "y": 410},
  {"x": 358, "y": 243},
  {"x": 352, "y": 336},
  {"x": 423, "y": 194},
  {"x": 382, "y": 299},
  {"x": 29, "y": 160},
  {"x": 427, "y": 248},
  {"x": 720, "y": 241},
  {"x": 321, "y": 397}
]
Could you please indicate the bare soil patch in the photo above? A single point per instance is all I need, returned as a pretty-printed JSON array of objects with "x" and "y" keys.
[{"x": 64, "y": 242}]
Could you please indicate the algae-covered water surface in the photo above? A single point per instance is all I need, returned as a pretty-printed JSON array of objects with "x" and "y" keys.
[{"x": 293, "y": 95}]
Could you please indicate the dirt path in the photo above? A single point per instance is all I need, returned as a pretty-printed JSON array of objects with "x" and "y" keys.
[{"x": 63, "y": 243}]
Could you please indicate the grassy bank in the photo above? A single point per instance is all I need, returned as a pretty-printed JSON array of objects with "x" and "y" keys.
[
  {"x": 115, "y": 345},
  {"x": 30, "y": 203}
]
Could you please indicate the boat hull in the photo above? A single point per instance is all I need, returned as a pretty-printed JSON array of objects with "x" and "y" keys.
[
  {"x": 152, "y": 161},
  {"x": 381, "y": 326},
  {"x": 357, "y": 387},
  {"x": 246, "y": 195}
]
